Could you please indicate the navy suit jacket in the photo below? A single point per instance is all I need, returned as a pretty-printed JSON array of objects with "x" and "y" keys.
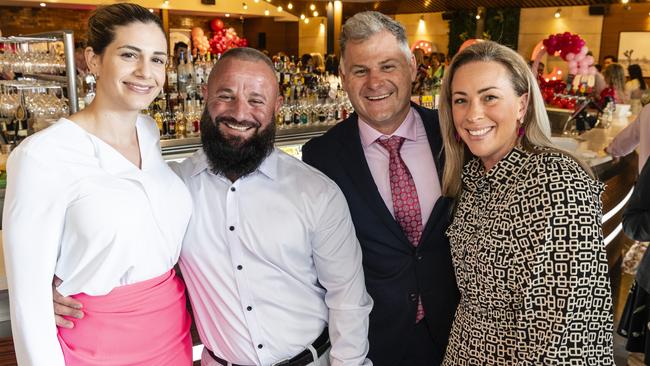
[{"x": 395, "y": 271}]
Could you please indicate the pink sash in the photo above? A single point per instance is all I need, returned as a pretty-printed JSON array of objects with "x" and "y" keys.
[{"x": 145, "y": 323}]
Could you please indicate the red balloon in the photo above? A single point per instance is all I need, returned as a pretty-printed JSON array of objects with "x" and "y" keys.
[{"x": 216, "y": 24}]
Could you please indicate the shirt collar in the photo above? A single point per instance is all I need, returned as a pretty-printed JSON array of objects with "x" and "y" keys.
[
  {"x": 407, "y": 129},
  {"x": 269, "y": 166}
]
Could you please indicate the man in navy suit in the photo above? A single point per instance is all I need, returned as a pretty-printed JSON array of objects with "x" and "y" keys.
[{"x": 387, "y": 159}]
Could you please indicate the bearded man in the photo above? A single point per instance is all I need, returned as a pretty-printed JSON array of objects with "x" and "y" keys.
[{"x": 270, "y": 258}]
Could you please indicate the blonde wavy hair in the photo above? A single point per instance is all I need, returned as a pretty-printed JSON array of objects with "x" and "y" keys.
[{"x": 535, "y": 121}]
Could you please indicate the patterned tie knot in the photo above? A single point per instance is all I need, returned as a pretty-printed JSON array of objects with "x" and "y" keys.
[{"x": 392, "y": 144}]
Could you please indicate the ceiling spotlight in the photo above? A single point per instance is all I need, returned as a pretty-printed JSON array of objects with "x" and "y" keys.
[
  {"x": 266, "y": 12},
  {"x": 306, "y": 20},
  {"x": 478, "y": 16},
  {"x": 227, "y": 15},
  {"x": 43, "y": 5},
  {"x": 151, "y": 10},
  {"x": 279, "y": 9},
  {"x": 256, "y": 1},
  {"x": 268, "y": 1},
  {"x": 302, "y": 16},
  {"x": 312, "y": 7},
  {"x": 290, "y": 6},
  {"x": 557, "y": 13},
  {"x": 315, "y": 13},
  {"x": 625, "y": 1},
  {"x": 166, "y": 2},
  {"x": 245, "y": 6}
]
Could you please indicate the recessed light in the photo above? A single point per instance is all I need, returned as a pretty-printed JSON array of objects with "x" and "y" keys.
[
  {"x": 302, "y": 16},
  {"x": 306, "y": 20},
  {"x": 43, "y": 5},
  {"x": 266, "y": 12},
  {"x": 227, "y": 15},
  {"x": 279, "y": 9},
  {"x": 312, "y": 7},
  {"x": 315, "y": 13},
  {"x": 290, "y": 6}
]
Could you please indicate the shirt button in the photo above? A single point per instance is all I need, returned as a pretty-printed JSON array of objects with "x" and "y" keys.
[
  {"x": 232, "y": 189},
  {"x": 420, "y": 257},
  {"x": 239, "y": 267},
  {"x": 232, "y": 228},
  {"x": 413, "y": 297},
  {"x": 249, "y": 308},
  {"x": 260, "y": 346}
]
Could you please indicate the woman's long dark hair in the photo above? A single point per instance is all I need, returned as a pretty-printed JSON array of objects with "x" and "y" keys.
[{"x": 635, "y": 73}]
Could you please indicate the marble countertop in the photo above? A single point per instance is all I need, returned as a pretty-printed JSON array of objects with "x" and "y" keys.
[{"x": 590, "y": 146}]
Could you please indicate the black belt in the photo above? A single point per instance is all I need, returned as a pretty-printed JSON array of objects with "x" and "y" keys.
[{"x": 321, "y": 344}]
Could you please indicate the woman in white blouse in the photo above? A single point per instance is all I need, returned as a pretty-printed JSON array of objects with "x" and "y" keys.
[{"x": 91, "y": 201}]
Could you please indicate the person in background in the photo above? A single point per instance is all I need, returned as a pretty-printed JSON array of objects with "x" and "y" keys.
[
  {"x": 439, "y": 70},
  {"x": 636, "y": 134},
  {"x": 80, "y": 59},
  {"x": 614, "y": 76},
  {"x": 319, "y": 64},
  {"x": 178, "y": 48},
  {"x": 419, "y": 85},
  {"x": 307, "y": 62},
  {"x": 387, "y": 159},
  {"x": 635, "y": 87},
  {"x": 636, "y": 225},
  {"x": 608, "y": 60},
  {"x": 110, "y": 215},
  {"x": 527, "y": 216},
  {"x": 332, "y": 64}
]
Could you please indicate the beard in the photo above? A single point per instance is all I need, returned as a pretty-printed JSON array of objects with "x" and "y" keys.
[{"x": 234, "y": 156}]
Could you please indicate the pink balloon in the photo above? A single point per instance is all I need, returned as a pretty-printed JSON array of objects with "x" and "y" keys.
[
  {"x": 570, "y": 56},
  {"x": 573, "y": 64},
  {"x": 573, "y": 70},
  {"x": 584, "y": 50},
  {"x": 579, "y": 57}
]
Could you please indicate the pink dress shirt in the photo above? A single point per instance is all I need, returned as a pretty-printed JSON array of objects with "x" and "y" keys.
[
  {"x": 417, "y": 155},
  {"x": 635, "y": 134}
]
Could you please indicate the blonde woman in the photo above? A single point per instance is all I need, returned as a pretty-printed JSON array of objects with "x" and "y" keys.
[
  {"x": 614, "y": 75},
  {"x": 526, "y": 240}
]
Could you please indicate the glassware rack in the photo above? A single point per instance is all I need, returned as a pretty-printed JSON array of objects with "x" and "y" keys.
[{"x": 21, "y": 53}]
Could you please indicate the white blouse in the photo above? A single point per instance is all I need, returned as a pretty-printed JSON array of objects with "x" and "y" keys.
[{"x": 78, "y": 209}]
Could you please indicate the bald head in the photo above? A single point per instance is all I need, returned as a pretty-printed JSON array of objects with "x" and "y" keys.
[{"x": 243, "y": 54}]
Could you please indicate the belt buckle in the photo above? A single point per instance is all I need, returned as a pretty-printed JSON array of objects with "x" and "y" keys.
[{"x": 282, "y": 362}]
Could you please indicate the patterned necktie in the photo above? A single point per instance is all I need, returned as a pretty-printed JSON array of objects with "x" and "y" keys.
[{"x": 406, "y": 205}]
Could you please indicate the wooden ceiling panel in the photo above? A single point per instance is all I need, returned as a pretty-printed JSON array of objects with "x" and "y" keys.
[{"x": 431, "y": 6}]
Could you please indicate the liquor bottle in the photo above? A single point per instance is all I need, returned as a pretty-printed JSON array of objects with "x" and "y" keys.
[
  {"x": 191, "y": 74},
  {"x": 182, "y": 74},
  {"x": 180, "y": 122},
  {"x": 158, "y": 116},
  {"x": 199, "y": 71},
  {"x": 172, "y": 77},
  {"x": 209, "y": 64},
  {"x": 169, "y": 123},
  {"x": 288, "y": 116}
]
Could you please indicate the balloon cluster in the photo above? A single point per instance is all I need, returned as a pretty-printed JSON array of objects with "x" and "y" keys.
[
  {"x": 224, "y": 39},
  {"x": 200, "y": 41},
  {"x": 573, "y": 50}
]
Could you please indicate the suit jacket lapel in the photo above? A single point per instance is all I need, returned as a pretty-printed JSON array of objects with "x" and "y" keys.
[
  {"x": 432, "y": 127},
  {"x": 355, "y": 163}
]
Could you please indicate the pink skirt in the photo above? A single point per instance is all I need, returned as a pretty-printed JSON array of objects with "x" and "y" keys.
[{"x": 145, "y": 323}]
